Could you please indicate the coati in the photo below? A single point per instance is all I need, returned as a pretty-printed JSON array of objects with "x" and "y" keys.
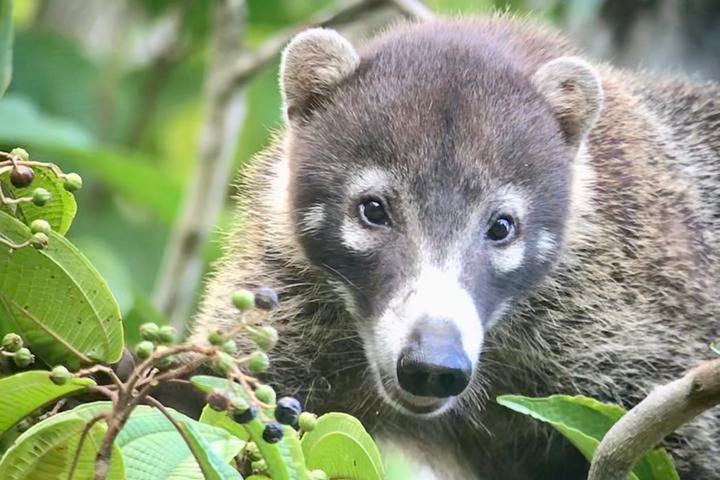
[{"x": 464, "y": 208}]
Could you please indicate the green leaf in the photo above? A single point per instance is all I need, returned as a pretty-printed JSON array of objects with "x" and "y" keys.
[
  {"x": 59, "y": 211},
  {"x": 6, "y": 44},
  {"x": 154, "y": 450},
  {"x": 340, "y": 446},
  {"x": 46, "y": 451},
  {"x": 21, "y": 123},
  {"x": 223, "y": 420},
  {"x": 55, "y": 299},
  {"x": 584, "y": 422},
  {"x": 25, "y": 392},
  {"x": 212, "y": 466}
]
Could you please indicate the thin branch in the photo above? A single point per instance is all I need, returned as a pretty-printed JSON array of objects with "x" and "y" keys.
[
  {"x": 413, "y": 9},
  {"x": 253, "y": 62},
  {"x": 663, "y": 411},
  {"x": 83, "y": 436},
  {"x": 182, "y": 265}
]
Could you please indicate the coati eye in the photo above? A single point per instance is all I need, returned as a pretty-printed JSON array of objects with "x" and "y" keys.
[
  {"x": 502, "y": 228},
  {"x": 372, "y": 212}
]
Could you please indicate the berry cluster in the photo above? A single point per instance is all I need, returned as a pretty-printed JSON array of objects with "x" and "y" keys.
[
  {"x": 22, "y": 174},
  {"x": 13, "y": 347}
]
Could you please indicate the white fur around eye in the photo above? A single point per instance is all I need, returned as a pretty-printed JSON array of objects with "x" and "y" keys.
[{"x": 509, "y": 258}]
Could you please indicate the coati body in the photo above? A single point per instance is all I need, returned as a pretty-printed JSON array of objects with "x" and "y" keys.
[{"x": 465, "y": 208}]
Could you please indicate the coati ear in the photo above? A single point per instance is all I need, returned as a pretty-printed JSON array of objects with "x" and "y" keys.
[
  {"x": 312, "y": 64},
  {"x": 572, "y": 88}
]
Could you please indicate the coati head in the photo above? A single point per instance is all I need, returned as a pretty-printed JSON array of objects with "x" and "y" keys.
[{"x": 430, "y": 183}]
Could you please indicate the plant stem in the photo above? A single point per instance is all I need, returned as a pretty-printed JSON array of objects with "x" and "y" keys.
[{"x": 663, "y": 411}]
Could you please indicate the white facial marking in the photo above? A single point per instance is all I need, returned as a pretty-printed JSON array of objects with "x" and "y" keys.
[
  {"x": 545, "y": 244},
  {"x": 437, "y": 294},
  {"x": 507, "y": 259},
  {"x": 353, "y": 235},
  {"x": 313, "y": 218}
]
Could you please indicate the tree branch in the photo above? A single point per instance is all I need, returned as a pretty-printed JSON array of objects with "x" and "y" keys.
[
  {"x": 224, "y": 113},
  {"x": 413, "y": 9},
  {"x": 663, "y": 411}
]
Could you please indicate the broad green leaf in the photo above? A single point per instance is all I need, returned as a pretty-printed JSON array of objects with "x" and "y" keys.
[
  {"x": 6, "y": 44},
  {"x": 340, "y": 446},
  {"x": 21, "y": 123},
  {"x": 55, "y": 299},
  {"x": 223, "y": 420},
  {"x": 154, "y": 450},
  {"x": 59, "y": 211},
  {"x": 23, "y": 393},
  {"x": 212, "y": 466},
  {"x": 46, "y": 451},
  {"x": 584, "y": 422}
]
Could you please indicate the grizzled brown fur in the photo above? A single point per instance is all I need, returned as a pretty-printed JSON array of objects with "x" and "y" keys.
[{"x": 631, "y": 301}]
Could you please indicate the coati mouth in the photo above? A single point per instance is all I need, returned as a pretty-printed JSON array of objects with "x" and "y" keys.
[{"x": 413, "y": 405}]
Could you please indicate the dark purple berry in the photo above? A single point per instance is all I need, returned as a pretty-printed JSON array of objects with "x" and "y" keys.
[
  {"x": 21, "y": 176},
  {"x": 288, "y": 410},
  {"x": 266, "y": 298},
  {"x": 246, "y": 415},
  {"x": 273, "y": 433}
]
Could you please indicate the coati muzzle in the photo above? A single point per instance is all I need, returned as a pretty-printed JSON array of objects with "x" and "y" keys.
[{"x": 434, "y": 363}]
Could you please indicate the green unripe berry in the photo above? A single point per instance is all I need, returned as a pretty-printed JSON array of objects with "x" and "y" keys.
[
  {"x": 144, "y": 349},
  {"x": 265, "y": 394},
  {"x": 243, "y": 300},
  {"x": 39, "y": 240},
  {"x": 23, "y": 357},
  {"x": 307, "y": 421},
  {"x": 223, "y": 364},
  {"x": 265, "y": 337},
  {"x": 166, "y": 335},
  {"x": 165, "y": 362},
  {"x": 21, "y": 153},
  {"x": 60, "y": 375},
  {"x": 257, "y": 477},
  {"x": 149, "y": 331},
  {"x": 12, "y": 342},
  {"x": 72, "y": 182},
  {"x": 259, "y": 466},
  {"x": 318, "y": 475},
  {"x": 252, "y": 451},
  {"x": 229, "y": 347},
  {"x": 216, "y": 337},
  {"x": 40, "y": 197},
  {"x": 21, "y": 176},
  {"x": 258, "y": 362},
  {"x": 40, "y": 226}
]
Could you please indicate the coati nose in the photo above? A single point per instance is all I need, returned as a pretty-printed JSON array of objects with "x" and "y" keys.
[{"x": 434, "y": 364}]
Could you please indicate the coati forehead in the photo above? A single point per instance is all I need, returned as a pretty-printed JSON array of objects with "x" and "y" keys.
[{"x": 448, "y": 122}]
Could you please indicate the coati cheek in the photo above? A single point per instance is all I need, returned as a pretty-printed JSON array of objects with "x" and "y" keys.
[
  {"x": 509, "y": 258},
  {"x": 313, "y": 218},
  {"x": 545, "y": 245}
]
